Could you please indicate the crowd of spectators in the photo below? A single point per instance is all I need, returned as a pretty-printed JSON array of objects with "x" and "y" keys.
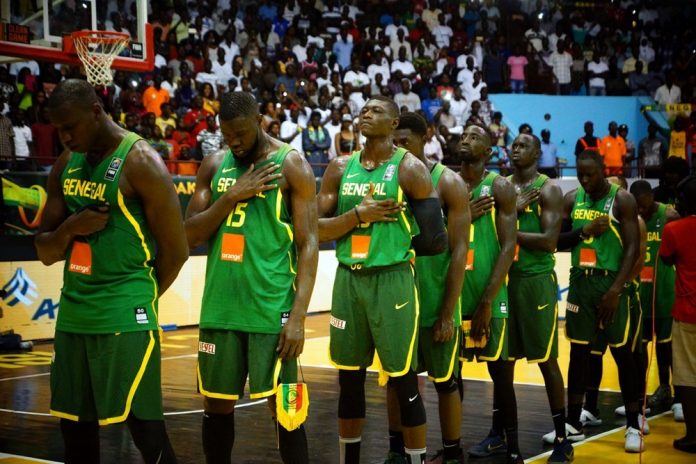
[{"x": 312, "y": 64}]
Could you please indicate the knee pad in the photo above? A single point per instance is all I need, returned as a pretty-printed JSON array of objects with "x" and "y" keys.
[
  {"x": 450, "y": 385},
  {"x": 410, "y": 401},
  {"x": 351, "y": 399}
]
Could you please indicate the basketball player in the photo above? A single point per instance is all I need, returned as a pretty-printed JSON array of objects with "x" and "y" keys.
[
  {"x": 598, "y": 305},
  {"x": 657, "y": 293},
  {"x": 532, "y": 284},
  {"x": 484, "y": 294},
  {"x": 255, "y": 205},
  {"x": 440, "y": 280},
  {"x": 375, "y": 299},
  {"x": 590, "y": 412},
  {"x": 113, "y": 215}
]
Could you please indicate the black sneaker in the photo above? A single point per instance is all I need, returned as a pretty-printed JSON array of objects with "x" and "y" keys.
[
  {"x": 562, "y": 452},
  {"x": 492, "y": 444},
  {"x": 514, "y": 459},
  {"x": 661, "y": 396},
  {"x": 439, "y": 458}
]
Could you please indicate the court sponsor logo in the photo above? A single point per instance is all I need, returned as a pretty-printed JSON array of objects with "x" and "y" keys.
[
  {"x": 204, "y": 347},
  {"x": 338, "y": 323},
  {"x": 20, "y": 289},
  {"x": 573, "y": 308}
]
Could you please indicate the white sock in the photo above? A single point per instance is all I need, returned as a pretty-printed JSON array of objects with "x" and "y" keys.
[
  {"x": 342, "y": 442},
  {"x": 415, "y": 456}
]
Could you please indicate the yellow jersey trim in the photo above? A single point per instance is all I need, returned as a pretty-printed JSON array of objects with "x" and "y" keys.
[{"x": 204, "y": 392}]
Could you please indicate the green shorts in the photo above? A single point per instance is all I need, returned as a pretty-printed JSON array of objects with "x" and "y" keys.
[
  {"x": 440, "y": 360},
  {"x": 375, "y": 309},
  {"x": 533, "y": 320},
  {"x": 584, "y": 295},
  {"x": 227, "y": 357},
  {"x": 105, "y": 377},
  {"x": 495, "y": 349},
  {"x": 600, "y": 343},
  {"x": 663, "y": 329}
]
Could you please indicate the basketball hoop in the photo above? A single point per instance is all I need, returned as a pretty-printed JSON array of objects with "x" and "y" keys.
[{"x": 97, "y": 50}]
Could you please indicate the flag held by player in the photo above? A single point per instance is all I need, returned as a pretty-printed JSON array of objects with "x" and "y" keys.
[{"x": 292, "y": 404}]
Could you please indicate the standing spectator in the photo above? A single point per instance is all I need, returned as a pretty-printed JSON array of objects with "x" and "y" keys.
[
  {"x": 466, "y": 75},
  {"x": 630, "y": 150},
  {"x": 677, "y": 139},
  {"x": 333, "y": 127},
  {"x": 346, "y": 141},
  {"x": 343, "y": 47},
  {"x": 677, "y": 249},
  {"x": 668, "y": 93},
  {"x": 380, "y": 65},
  {"x": 613, "y": 151},
  {"x": 638, "y": 81},
  {"x": 516, "y": 64},
  {"x": 493, "y": 69},
  {"x": 291, "y": 129},
  {"x": 433, "y": 147},
  {"x": 397, "y": 42},
  {"x": 22, "y": 141},
  {"x": 562, "y": 63},
  {"x": 154, "y": 96},
  {"x": 210, "y": 138},
  {"x": 406, "y": 98},
  {"x": 597, "y": 71},
  {"x": 631, "y": 64},
  {"x": 45, "y": 140},
  {"x": 472, "y": 91},
  {"x": 404, "y": 66},
  {"x": 588, "y": 141},
  {"x": 548, "y": 162},
  {"x": 459, "y": 106},
  {"x": 7, "y": 146},
  {"x": 442, "y": 33},
  {"x": 535, "y": 35},
  {"x": 651, "y": 154},
  {"x": 356, "y": 76},
  {"x": 222, "y": 69},
  {"x": 316, "y": 143}
]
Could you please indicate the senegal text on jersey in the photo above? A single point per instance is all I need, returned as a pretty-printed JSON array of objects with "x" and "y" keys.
[
  {"x": 357, "y": 189},
  {"x": 84, "y": 188},
  {"x": 588, "y": 214}
]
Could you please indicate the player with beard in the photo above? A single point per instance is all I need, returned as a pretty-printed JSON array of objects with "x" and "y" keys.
[{"x": 255, "y": 206}]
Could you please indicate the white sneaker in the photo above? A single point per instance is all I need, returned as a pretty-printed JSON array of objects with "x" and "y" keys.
[
  {"x": 678, "y": 412},
  {"x": 634, "y": 441},
  {"x": 573, "y": 435},
  {"x": 588, "y": 419},
  {"x": 621, "y": 411}
]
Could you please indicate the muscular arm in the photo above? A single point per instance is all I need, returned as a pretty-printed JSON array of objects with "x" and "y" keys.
[
  {"x": 568, "y": 238},
  {"x": 642, "y": 249},
  {"x": 506, "y": 226},
  {"x": 55, "y": 234},
  {"x": 147, "y": 176},
  {"x": 333, "y": 227},
  {"x": 202, "y": 218},
  {"x": 302, "y": 186},
  {"x": 550, "y": 199},
  {"x": 417, "y": 184},
  {"x": 627, "y": 214},
  {"x": 455, "y": 197}
]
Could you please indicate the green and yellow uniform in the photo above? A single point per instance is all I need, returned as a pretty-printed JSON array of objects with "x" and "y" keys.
[
  {"x": 439, "y": 359},
  {"x": 249, "y": 289},
  {"x": 107, "y": 359},
  {"x": 533, "y": 292},
  {"x": 483, "y": 252},
  {"x": 594, "y": 265},
  {"x": 375, "y": 300},
  {"x": 657, "y": 282}
]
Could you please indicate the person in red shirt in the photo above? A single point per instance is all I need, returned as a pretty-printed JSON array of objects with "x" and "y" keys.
[
  {"x": 194, "y": 120},
  {"x": 677, "y": 249},
  {"x": 45, "y": 140}
]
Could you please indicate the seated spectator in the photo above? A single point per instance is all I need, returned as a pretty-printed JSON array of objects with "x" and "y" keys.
[
  {"x": 157, "y": 142},
  {"x": 316, "y": 143},
  {"x": 167, "y": 118},
  {"x": 404, "y": 66},
  {"x": 173, "y": 147},
  {"x": 210, "y": 138},
  {"x": 186, "y": 165},
  {"x": 406, "y": 98},
  {"x": 210, "y": 102},
  {"x": 431, "y": 106},
  {"x": 346, "y": 141},
  {"x": 45, "y": 139},
  {"x": 433, "y": 145}
]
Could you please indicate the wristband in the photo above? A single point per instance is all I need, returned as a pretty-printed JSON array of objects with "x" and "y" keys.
[{"x": 357, "y": 215}]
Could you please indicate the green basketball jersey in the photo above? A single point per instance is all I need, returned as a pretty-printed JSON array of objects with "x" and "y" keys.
[
  {"x": 531, "y": 262},
  {"x": 655, "y": 272},
  {"x": 250, "y": 273},
  {"x": 432, "y": 275},
  {"x": 378, "y": 243},
  {"x": 484, "y": 249},
  {"x": 604, "y": 251},
  {"x": 109, "y": 282}
]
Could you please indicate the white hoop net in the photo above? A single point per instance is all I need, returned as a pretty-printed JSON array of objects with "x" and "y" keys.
[{"x": 97, "y": 50}]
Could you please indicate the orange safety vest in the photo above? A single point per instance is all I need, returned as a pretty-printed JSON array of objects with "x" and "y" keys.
[{"x": 585, "y": 146}]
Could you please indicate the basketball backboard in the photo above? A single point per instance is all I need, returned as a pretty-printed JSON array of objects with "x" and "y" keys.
[{"x": 40, "y": 30}]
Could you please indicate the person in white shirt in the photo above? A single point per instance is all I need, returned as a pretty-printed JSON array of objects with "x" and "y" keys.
[
  {"x": 379, "y": 65},
  {"x": 406, "y": 67},
  {"x": 406, "y": 98},
  {"x": 398, "y": 42},
  {"x": 207, "y": 76},
  {"x": 393, "y": 29},
  {"x": 221, "y": 69},
  {"x": 228, "y": 44},
  {"x": 459, "y": 106},
  {"x": 668, "y": 93},
  {"x": 433, "y": 148},
  {"x": 598, "y": 71},
  {"x": 562, "y": 63},
  {"x": 442, "y": 33},
  {"x": 333, "y": 127},
  {"x": 646, "y": 52},
  {"x": 535, "y": 34},
  {"x": 22, "y": 135},
  {"x": 472, "y": 91},
  {"x": 290, "y": 130},
  {"x": 466, "y": 75},
  {"x": 356, "y": 77}
]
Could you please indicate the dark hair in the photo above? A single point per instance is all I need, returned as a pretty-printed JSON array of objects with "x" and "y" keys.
[
  {"x": 391, "y": 106},
  {"x": 414, "y": 122},
  {"x": 238, "y": 105},
  {"x": 676, "y": 165},
  {"x": 686, "y": 195},
  {"x": 525, "y": 125},
  {"x": 592, "y": 156},
  {"x": 640, "y": 187},
  {"x": 73, "y": 92}
]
